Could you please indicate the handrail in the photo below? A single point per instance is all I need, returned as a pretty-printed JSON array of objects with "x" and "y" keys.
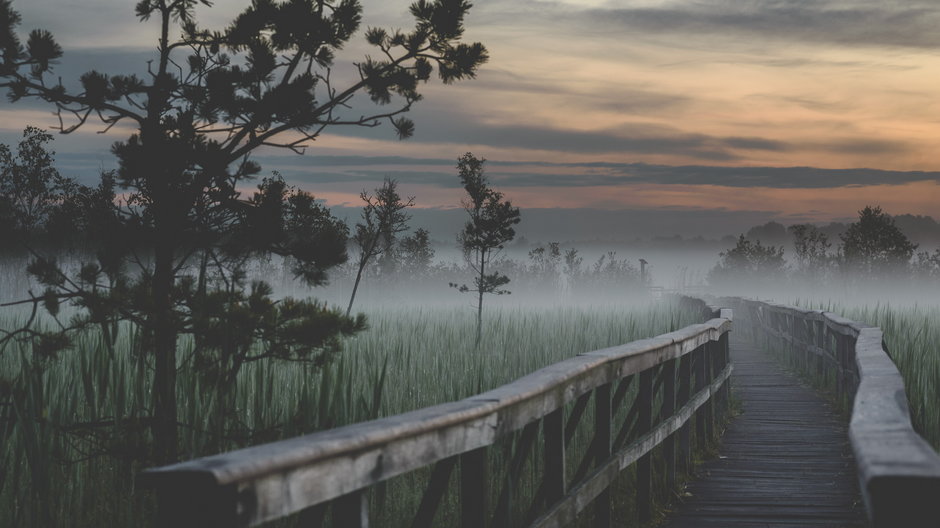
[
  {"x": 253, "y": 485},
  {"x": 898, "y": 471}
]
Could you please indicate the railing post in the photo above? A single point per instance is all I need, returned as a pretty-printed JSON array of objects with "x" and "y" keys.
[
  {"x": 351, "y": 510},
  {"x": 474, "y": 480},
  {"x": 848, "y": 370},
  {"x": 840, "y": 361},
  {"x": 700, "y": 414},
  {"x": 196, "y": 505},
  {"x": 708, "y": 354},
  {"x": 821, "y": 347},
  {"x": 553, "y": 429},
  {"x": 805, "y": 342},
  {"x": 724, "y": 355},
  {"x": 644, "y": 468},
  {"x": 314, "y": 516},
  {"x": 726, "y": 344},
  {"x": 602, "y": 430},
  {"x": 685, "y": 385},
  {"x": 668, "y": 409}
]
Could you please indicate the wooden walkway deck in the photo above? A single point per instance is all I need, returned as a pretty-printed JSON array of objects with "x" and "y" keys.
[{"x": 785, "y": 461}]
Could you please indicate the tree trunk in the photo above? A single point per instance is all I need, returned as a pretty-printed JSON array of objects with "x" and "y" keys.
[
  {"x": 362, "y": 265},
  {"x": 363, "y": 260},
  {"x": 164, "y": 351},
  {"x": 480, "y": 287}
]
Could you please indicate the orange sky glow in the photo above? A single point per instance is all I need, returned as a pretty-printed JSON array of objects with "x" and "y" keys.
[{"x": 713, "y": 83}]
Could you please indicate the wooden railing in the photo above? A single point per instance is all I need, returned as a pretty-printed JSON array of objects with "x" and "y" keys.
[
  {"x": 673, "y": 378},
  {"x": 898, "y": 471}
]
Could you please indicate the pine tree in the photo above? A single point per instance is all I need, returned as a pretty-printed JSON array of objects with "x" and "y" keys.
[{"x": 208, "y": 101}]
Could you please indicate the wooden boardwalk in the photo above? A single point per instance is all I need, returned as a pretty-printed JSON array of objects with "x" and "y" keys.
[{"x": 785, "y": 461}]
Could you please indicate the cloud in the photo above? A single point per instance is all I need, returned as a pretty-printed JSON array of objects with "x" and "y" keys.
[
  {"x": 440, "y": 172},
  {"x": 844, "y": 22},
  {"x": 634, "y": 98},
  {"x": 583, "y": 225}
]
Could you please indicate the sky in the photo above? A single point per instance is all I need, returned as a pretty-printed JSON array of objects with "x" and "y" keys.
[{"x": 787, "y": 110}]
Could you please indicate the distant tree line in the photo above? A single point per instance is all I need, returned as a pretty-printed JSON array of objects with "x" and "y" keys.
[{"x": 873, "y": 247}]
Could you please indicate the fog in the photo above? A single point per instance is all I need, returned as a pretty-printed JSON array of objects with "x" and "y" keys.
[{"x": 546, "y": 270}]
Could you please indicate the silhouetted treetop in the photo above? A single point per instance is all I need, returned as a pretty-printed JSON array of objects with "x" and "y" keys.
[
  {"x": 266, "y": 73},
  {"x": 875, "y": 244}
]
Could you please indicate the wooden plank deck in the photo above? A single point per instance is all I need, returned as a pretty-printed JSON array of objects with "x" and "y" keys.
[{"x": 785, "y": 461}]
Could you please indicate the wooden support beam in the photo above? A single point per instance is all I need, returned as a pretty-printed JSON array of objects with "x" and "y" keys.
[
  {"x": 437, "y": 486},
  {"x": 698, "y": 358},
  {"x": 643, "y": 465},
  {"x": 197, "y": 504},
  {"x": 685, "y": 386},
  {"x": 622, "y": 389},
  {"x": 554, "y": 456},
  {"x": 574, "y": 418},
  {"x": 708, "y": 352},
  {"x": 602, "y": 451},
  {"x": 474, "y": 488},
  {"x": 351, "y": 510},
  {"x": 668, "y": 409},
  {"x": 314, "y": 516},
  {"x": 501, "y": 516}
]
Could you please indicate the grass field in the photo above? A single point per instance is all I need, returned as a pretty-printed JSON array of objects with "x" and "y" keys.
[
  {"x": 66, "y": 460},
  {"x": 80, "y": 421}
]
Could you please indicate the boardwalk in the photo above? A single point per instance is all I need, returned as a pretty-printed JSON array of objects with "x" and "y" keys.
[{"x": 785, "y": 461}]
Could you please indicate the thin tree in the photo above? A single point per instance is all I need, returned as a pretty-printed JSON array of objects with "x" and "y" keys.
[
  {"x": 208, "y": 101},
  {"x": 489, "y": 228},
  {"x": 416, "y": 252},
  {"x": 383, "y": 218},
  {"x": 811, "y": 247}
]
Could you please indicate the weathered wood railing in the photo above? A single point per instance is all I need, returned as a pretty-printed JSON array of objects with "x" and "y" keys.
[
  {"x": 898, "y": 471},
  {"x": 675, "y": 377}
]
